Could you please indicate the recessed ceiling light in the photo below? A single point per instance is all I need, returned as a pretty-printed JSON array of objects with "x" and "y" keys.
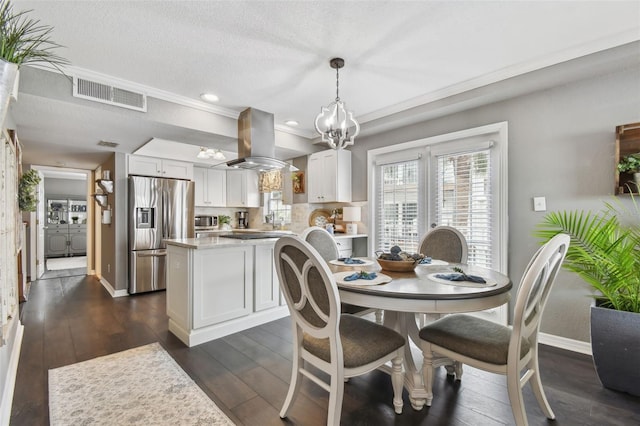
[
  {"x": 291, "y": 123},
  {"x": 209, "y": 97}
]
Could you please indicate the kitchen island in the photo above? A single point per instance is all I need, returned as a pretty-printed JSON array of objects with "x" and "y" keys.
[{"x": 218, "y": 286}]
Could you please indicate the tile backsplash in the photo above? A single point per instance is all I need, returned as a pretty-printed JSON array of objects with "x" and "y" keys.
[{"x": 300, "y": 213}]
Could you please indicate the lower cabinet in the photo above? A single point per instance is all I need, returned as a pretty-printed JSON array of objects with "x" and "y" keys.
[
  {"x": 216, "y": 291},
  {"x": 267, "y": 288},
  {"x": 223, "y": 281},
  {"x": 65, "y": 240},
  {"x": 56, "y": 243}
]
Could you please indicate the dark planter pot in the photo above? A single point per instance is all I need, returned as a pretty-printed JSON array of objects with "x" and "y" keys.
[{"x": 615, "y": 342}]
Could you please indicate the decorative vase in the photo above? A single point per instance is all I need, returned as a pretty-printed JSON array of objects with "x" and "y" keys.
[
  {"x": 8, "y": 75},
  {"x": 615, "y": 344}
]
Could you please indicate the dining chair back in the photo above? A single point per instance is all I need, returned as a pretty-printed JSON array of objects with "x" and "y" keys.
[
  {"x": 322, "y": 241},
  {"x": 444, "y": 243},
  {"x": 326, "y": 245},
  {"x": 339, "y": 345},
  {"x": 497, "y": 348}
]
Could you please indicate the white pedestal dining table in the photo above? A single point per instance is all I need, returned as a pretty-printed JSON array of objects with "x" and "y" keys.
[{"x": 419, "y": 292}]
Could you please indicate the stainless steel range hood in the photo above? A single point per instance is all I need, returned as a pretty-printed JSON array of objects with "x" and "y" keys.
[{"x": 256, "y": 142}]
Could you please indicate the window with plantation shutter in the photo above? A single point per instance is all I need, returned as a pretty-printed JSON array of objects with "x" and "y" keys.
[
  {"x": 397, "y": 206},
  {"x": 463, "y": 200},
  {"x": 457, "y": 179}
]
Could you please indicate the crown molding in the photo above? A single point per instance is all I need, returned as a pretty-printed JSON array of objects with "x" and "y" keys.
[{"x": 578, "y": 51}]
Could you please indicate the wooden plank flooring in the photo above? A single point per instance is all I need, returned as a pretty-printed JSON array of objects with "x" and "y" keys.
[{"x": 71, "y": 318}]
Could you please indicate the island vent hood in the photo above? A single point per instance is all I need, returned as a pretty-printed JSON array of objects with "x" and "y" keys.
[{"x": 256, "y": 142}]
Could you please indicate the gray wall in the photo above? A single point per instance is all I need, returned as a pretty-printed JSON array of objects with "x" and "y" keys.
[
  {"x": 67, "y": 187},
  {"x": 114, "y": 247},
  {"x": 561, "y": 146}
]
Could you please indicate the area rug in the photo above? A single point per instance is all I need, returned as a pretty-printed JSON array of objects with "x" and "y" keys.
[
  {"x": 140, "y": 386},
  {"x": 58, "y": 263}
]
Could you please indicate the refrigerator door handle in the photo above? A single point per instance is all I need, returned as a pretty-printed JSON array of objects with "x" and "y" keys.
[{"x": 152, "y": 254}]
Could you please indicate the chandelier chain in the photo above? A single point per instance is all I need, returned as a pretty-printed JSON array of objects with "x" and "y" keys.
[{"x": 337, "y": 83}]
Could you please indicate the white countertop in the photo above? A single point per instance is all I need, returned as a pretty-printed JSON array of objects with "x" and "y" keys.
[{"x": 218, "y": 241}]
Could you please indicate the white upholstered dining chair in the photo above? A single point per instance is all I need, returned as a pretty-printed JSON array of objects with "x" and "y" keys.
[
  {"x": 496, "y": 348},
  {"x": 340, "y": 345},
  {"x": 326, "y": 245},
  {"x": 322, "y": 241},
  {"x": 444, "y": 243}
]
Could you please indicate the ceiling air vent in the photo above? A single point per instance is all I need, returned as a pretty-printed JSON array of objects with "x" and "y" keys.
[
  {"x": 107, "y": 94},
  {"x": 108, "y": 144}
]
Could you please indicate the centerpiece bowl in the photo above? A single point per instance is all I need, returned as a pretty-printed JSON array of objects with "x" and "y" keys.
[{"x": 397, "y": 265}]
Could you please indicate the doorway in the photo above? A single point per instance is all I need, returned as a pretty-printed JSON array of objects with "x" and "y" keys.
[{"x": 64, "y": 224}]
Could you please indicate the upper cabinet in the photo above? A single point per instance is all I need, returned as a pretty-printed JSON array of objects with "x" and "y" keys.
[
  {"x": 627, "y": 143},
  {"x": 210, "y": 187},
  {"x": 329, "y": 176},
  {"x": 158, "y": 167},
  {"x": 242, "y": 188}
]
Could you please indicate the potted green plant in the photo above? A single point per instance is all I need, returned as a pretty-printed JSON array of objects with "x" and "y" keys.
[
  {"x": 22, "y": 41},
  {"x": 605, "y": 252},
  {"x": 631, "y": 164},
  {"x": 75, "y": 219},
  {"x": 225, "y": 222},
  {"x": 27, "y": 199}
]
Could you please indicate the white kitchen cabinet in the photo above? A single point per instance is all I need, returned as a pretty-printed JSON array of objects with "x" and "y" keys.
[
  {"x": 210, "y": 187},
  {"x": 329, "y": 176},
  {"x": 218, "y": 288},
  {"x": 267, "y": 287},
  {"x": 158, "y": 167},
  {"x": 226, "y": 294},
  {"x": 345, "y": 246},
  {"x": 242, "y": 188}
]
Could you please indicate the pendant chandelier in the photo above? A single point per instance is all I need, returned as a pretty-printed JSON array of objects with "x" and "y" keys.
[{"x": 335, "y": 124}]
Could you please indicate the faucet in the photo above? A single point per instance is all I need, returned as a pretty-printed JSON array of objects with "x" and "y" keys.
[{"x": 271, "y": 218}]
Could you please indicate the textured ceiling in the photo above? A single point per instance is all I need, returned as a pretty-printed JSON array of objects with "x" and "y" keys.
[{"x": 273, "y": 55}]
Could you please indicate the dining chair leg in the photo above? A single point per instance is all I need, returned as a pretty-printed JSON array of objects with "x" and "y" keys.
[
  {"x": 514, "y": 390},
  {"x": 296, "y": 378},
  {"x": 538, "y": 390},
  {"x": 427, "y": 371},
  {"x": 397, "y": 381},
  {"x": 457, "y": 367},
  {"x": 336, "y": 393}
]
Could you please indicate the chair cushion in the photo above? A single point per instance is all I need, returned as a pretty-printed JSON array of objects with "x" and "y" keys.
[
  {"x": 363, "y": 342},
  {"x": 473, "y": 337}
]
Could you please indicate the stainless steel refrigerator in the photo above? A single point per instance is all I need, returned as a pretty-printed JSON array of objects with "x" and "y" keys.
[{"x": 158, "y": 208}]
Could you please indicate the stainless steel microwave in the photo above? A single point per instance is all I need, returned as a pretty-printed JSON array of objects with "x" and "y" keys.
[{"x": 206, "y": 221}]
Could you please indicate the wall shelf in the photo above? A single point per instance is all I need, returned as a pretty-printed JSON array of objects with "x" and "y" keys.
[
  {"x": 105, "y": 185},
  {"x": 101, "y": 199}
]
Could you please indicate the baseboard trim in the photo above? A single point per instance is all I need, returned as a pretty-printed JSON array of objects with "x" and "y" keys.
[
  {"x": 565, "y": 343},
  {"x": 216, "y": 331},
  {"x": 12, "y": 373},
  {"x": 112, "y": 291}
]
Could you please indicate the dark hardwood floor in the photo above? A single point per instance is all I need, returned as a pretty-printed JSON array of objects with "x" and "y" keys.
[{"x": 71, "y": 318}]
